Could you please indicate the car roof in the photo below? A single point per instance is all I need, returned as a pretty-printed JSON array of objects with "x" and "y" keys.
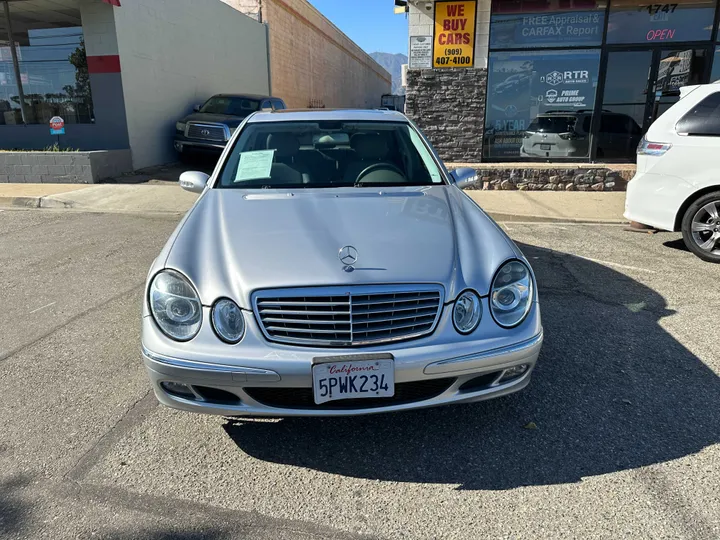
[
  {"x": 319, "y": 115},
  {"x": 246, "y": 96}
]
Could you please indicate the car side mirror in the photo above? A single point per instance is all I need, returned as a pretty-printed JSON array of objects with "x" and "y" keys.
[
  {"x": 464, "y": 177},
  {"x": 196, "y": 108},
  {"x": 194, "y": 181}
]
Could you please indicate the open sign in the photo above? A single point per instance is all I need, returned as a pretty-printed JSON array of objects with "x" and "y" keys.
[{"x": 57, "y": 126}]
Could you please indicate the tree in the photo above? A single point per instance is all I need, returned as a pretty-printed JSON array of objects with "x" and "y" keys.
[{"x": 81, "y": 93}]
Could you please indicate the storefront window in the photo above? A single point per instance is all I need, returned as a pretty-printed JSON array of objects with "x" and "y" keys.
[
  {"x": 540, "y": 104},
  {"x": 53, "y": 68},
  {"x": 715, "y": 76},
  {"x": 637, "y": 21},
  {"x": 517, "y": 24}
]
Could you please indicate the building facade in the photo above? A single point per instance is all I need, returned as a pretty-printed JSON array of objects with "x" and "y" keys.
[
  {"x": 553, "y": 80},
  {"x": 122, "y": 72},
  {"x": 313, "y": 63}
]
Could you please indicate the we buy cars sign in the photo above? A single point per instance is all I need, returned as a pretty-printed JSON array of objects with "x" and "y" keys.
[{"x": 454, "y": 39}]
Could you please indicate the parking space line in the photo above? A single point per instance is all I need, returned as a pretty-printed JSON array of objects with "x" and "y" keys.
[
  {"x": 617, "y": 265},
  {"x": 43, "y": 307}
]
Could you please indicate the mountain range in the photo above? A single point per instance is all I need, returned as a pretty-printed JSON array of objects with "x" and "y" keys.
[{"x": 393, "y": 64}]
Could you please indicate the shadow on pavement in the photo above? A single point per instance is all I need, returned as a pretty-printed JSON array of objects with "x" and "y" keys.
[
  {"x": 678, "y": 244},
  {"x": 14, "y": 513},
  {"x": 612, "y": 391}
]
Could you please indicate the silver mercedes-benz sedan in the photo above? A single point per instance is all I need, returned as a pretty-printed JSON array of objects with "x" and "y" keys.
[{"x": 332, "y": 266}]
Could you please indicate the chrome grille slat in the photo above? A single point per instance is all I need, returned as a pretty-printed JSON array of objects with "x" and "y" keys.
[
  {"x": 391, "y": 301},
  {"x": 294, "y": 330},
  {"x": 306, "y": 321},
  {"x": 357, "y": 321},
  {"x": 348, "y": 316},
  {"x": 370, "y": 311},
  {"x": 216, "y": 132},
  {"x": 298, "y": 312}
]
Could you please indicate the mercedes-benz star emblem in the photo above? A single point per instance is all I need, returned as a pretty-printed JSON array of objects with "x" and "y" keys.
[
  {"x": 205, "y": 133},
  {"x": 348, "y": 255}
]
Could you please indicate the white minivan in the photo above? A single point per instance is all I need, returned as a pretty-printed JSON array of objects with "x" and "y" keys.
[{"x": 677, "y": 184}]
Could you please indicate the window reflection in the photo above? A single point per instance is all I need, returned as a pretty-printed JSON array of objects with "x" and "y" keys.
[
  {"x": 53, "y": 70},
  {"x": 540, "y": 103}
]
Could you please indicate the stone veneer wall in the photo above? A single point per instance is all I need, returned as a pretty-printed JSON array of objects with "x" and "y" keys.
[
  {"x": 63, "y": 167},
  {"x": 449, "y": 107},
  {"x": 553, "y": 179}
]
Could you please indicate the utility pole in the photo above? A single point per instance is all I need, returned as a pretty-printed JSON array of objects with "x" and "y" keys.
[{"x": 16, "y": 65}]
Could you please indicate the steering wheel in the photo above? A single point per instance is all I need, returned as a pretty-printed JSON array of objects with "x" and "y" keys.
[{"x": 378, "y": 167}]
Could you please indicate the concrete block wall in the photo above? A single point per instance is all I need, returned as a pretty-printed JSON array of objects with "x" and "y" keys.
[
  {"x": 63, "y": 167},
  {"x": 313, "y": 63}
]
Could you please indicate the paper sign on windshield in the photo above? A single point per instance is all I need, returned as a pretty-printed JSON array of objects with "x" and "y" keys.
[{"x": 254, "y": 165}]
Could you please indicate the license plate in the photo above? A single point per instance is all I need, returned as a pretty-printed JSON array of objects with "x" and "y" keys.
[
  {"x": 353, "y": 376},
  {"x": 545, "y": 147}
]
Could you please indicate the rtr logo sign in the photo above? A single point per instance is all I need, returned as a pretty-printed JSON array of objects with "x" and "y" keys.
[{"x": 555, "y": 78}]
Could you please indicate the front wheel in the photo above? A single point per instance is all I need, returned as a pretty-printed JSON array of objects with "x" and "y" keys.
[{"x": 701, "y": 227}]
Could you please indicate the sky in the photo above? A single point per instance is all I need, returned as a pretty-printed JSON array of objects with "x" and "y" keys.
[{"x": 369, "y": 23}]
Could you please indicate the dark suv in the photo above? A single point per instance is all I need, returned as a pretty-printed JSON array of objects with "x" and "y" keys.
[{"x": 209, "y": 128}]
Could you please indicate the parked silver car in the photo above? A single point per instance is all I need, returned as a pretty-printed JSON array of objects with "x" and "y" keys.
[{"x": 332, "y": 266}]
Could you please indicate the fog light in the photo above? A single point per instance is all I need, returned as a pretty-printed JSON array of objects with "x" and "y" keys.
[
  {"x": 178, "y": 147},
  {"x": 513, "y": 372},
  {"x": 178, "y": 389}
]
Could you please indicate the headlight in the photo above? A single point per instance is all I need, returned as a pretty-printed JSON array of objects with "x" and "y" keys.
[
  {"x": 180, "y": 126},
  {"x": 467, "y": 312},
  {"x": 228, "y": 321},
  {"x": 511, "y": 294},
  {"x": 175, "y": 305}
]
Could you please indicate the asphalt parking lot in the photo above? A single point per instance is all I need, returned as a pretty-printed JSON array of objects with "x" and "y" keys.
[{"x": 616, "y": 437}]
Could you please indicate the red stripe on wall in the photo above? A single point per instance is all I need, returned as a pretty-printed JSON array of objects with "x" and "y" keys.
[
  {"x": 109, "y": 63},
  {"x": 113, "y": 2}
]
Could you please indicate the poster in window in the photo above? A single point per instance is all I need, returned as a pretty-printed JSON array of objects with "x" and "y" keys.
[
  {"x": 454, "y": 39},
  {"x": 528, "y": 88},
  {"x": 548, "y": 29}
]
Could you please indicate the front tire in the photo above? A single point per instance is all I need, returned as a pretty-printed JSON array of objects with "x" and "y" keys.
[{"x": 701, "y": 227}]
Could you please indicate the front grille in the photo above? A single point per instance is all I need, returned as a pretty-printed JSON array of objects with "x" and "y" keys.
[
  {"x": 302, "y": 398},
  {"x": 347, "y": 317},
  {"x": 206, "y": 132}
]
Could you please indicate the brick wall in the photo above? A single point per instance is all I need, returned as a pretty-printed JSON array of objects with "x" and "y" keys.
[{"x": 312, "y": 63}]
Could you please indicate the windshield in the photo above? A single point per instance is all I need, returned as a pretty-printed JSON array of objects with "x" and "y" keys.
[
  {"x": 553, "y": 124},
  {"x": 328, "y": 154},
  {"x": 234, "y": 106}
]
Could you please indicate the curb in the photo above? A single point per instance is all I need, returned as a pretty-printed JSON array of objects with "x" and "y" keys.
[
  {"x": 25, "y": 202},
  {"x": 528, "y": 218},
  {"x": 34, "y": 202}
]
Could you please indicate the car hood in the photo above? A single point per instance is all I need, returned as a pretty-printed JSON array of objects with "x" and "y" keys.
[
  {"x": 234, "y": 242},
  {"x": 227, "y": 119}
]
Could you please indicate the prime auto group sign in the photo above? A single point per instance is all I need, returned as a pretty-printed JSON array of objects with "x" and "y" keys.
[{"x": 454, "y": 36}]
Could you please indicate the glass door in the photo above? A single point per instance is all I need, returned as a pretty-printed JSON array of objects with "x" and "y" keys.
[
  {"x": 625, "y": 109},
  {"x": 639, "y": 86},
  {"x": 677, "y": 68}
]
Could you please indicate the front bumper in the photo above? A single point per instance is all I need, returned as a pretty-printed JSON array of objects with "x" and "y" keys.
[
  {"x": 243, "y": 391},
  {"x": 183, "y": 144}
]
